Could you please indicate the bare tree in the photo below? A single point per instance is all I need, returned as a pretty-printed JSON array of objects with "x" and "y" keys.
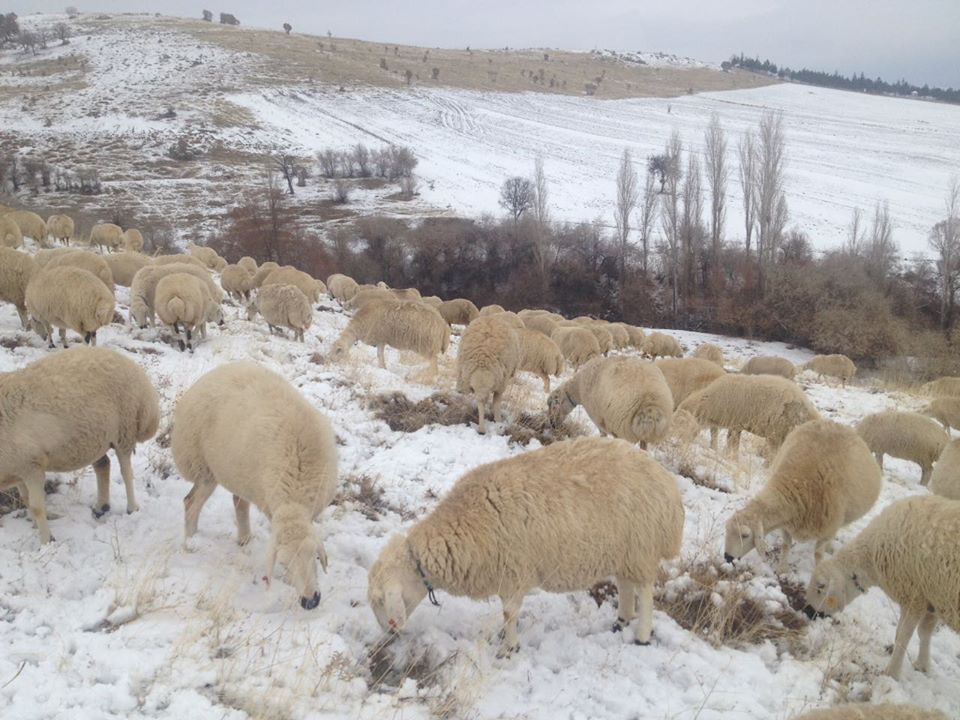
[
  {"x": 541, "y": 194},
  {"x": 361, "y": 158},
  {"x": 208, "y": 16},
  {"x": 516, "y": 197},
  {"x": 659, "y": 165},
  {"x": 648, "y": 211},
  {"x": 716, "y": 168},
  {"x": 769, "y": 185},
  {"x": 881, "y": 248},
  {"x": 855, "y": 234},
  {"x": 748, "y": 163},
  {"x": 328, "y": 159},
  {"x": 287, "y": 167},
  {"x": 628, "y": 193},
  {"x": 945, "y": 240},
  {"x": 63, "y": 33},
  {"x": 670, "y": 215},
  {"x": 287, "y": 27},
  {"x": 691, "y": 224}
]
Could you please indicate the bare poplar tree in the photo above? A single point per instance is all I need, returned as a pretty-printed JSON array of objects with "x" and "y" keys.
[
  {"x": 691, "y": 223},
  {"x": 628, "y": 193},
  {"x": 855, "y": 234},
  {"x": 748, "y": 163},
  {"x": 716, "y": 169},
  {"x": 670, "y": 215},
  {"x": 881, "y": 248},
  {"x": 769, "y": 189},
  {"x": 648, "y": 211},
  {"x": 541, "y": 194},
  {"x": 945, "y": 239}
]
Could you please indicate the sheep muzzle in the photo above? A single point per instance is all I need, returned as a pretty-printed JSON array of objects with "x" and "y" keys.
[{"x": 309, "y": 603}]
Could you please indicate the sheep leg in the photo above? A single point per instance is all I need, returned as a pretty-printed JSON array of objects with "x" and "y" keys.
[
  {"x": 645, "y": 612},
  {"x": 242, "y": 509},
  {"x": 24, "y": 319},
  {"x": 909, "y": 618},
  {"x": 36, "y": 504},
  {"x": 626, "y": 607},
  {"x": 879, "y": 457},
  {"x": 546, "y": 382},
  {"x": 189, "y": 338},
  {"x": 733, "y": 442},
  {"x": 63, "y": 336},
  {"x": 927, "y": 624},
  {"x": 714, "y": 433},
  {"x": 193, "y": 504},
  {"x": 820, "y": 548},
  {"x": 482, "y": 411},
  {"x": 380, "y": 358},
  {"x": 925, "y": 474},
  {"x": 511, "y": 610},
  {"x": 497, "y": 396},
  {"x": 785, "y": 551},
  {"x": 126, "y": 471},
  {"x": 101, "y": 469}
]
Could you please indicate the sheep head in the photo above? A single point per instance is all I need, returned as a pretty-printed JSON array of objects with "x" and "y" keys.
[
  {"x": 831, "y": 589},
  {"x": 342, "y": 345},
  {"x": 394, "y": 588},
  {"x": 744, "y": 533},
  {"x": 295, "y": 545},
  {"x": 559, "y": 405}
]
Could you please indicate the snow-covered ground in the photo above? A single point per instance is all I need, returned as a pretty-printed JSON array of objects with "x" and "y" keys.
[{"x": 118, "y": 619}]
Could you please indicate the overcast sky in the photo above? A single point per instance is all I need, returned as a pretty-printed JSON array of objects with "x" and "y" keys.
[{"x": 918, "y": 40}]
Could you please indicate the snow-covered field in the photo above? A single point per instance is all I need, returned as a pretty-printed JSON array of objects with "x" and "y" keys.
[{"x": 118, "y": 619}]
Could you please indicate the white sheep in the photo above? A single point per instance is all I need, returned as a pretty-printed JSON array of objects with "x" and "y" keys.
[
  {"x": 487, "y": 360},
  {"x": 822, "y": 478},
  {"x": 402, "y": 325},
  {"x": 342, "y": 288},
  {"x": 492, "y": 309},
  {"x": 624, "y": 397},
  {"x": 206, "y": 255},
  {"x": 125, "y": 265},
  {"x": 144, "y": 286},
  {"x": 559, "y": 518},
  {"x": 263, "y": 271},
  {"x": 179, "y": 259},
  {"x": 770, "y": 365},
  {"x": 945, "y": 478},
  {"x": 106, "y": 235},
  {"x": 16, "y": 271},
  {"x": 288, "y": 275},
  {"x": 943, "y": 387},
  {"x": 906, "y": 435},
  {"x": 10, "y": 235},
  {"x": 69, "y": 298},
  {"x": 246, "y": 428},
  {"x": 60, "y": 228},
  {"x": 406, "y": 293},
  {"x": 85, "y": 260},
  {"x": 283, "y": 306},
  {"x": 910, "y": 551},
  {"x": 946, "y": 411},
  {"x": 30, "y": 225},
  {"x": 618, "y": 330},
  {"x": 658, "y": 344},
  {"x": 458, "y": 311},
  {"x": 578, "y": 345},
  {"x": 838, "y": 366},
  {"x": 180, "y": 300},
  {"x": 248, "y": 264},
  {"x": 132, "y": 240},
  {"x": 637, "y": 336},
  {"x": 237, "y": 282},
  {"x": 539, "y": 355},
  {"x": 685, "y": 376},
  {"x": 541, "y": 323},
  {"x": 871, "y": 711},
  {"x": 66, "y": 411},
  {"x": 710, "y": 352},
  {"x": 365, "y": 296}
]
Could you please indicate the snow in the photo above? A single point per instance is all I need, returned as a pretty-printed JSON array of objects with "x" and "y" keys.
[{"x": 118, "y": 618}]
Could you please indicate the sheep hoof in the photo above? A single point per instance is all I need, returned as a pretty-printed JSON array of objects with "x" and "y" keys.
[
  {"x": 641, "y": 643},
  {"x": 182, "y": 346},
  {"x": 99, "y": 512},
  {"x": 618, "y": 625}
]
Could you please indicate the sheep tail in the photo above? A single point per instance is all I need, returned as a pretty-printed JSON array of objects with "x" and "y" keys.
[
  {"x": 176, "y": 306},
  {"x": 648, "y": 421}
]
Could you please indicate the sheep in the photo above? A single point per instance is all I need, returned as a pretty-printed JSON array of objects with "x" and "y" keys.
[
  {"x": 577, "y": 344},
  {"x": 368, "y": 295},
  {"x": 492, "y": 309},
  {"x": 288, "y": 275},
  {"x": 618, "y": 331},
  {"x": 263, "y": 272},
  {"x": 206, "y": 255},
  {"x": 91, "y": 262},
  {"x": 432, "y": 300},
  {"x": 539, "y": 355},
  {"x": 869, "y": 711},
  {"x": 106, "y": 235},
  {"x": 906, "y": 435},
  {"x": 624, "y": 397},
  {"x": 487, "y": 360},
  {"x": 945, "y": 478},
  {"x": 132, "y": 240},
  {"x": 125, "y": 265},
  {"x": 30, "y": 225},
  {"x": 603, "y": 336},
  {"x": 63, "y": 412},
  {"x": 69, "y": 298},
  {"x": 765, "y": 405},
  {"x": 559, "y": 518},
  {"x": 710, "y": 352},
  {"x": 45, "y": 255},
  {"x": 946, "y": 411},
  {"x": 910, "y": 551},
  {"x": 60, "y": 228},
  {"x": 822, "y": 478},
  {"x": 144, "y": 285},
  {"x": 637, "y": 336},
  {"x": 658, "y": 344},
  {"x": 283, "y": 306},
  {"x": 246, "y": 428},
  {"x": 406, "y": 293},
  {"x": 943, "y": 387},
  {"x": 179, "y": 299},
  {"x": 179, "y": 259},
  {"x": 838, "y": 366},
  {"x": 248, "y": 264},
  {"x": 10, "y": 235},
  {"x": 543, "y": 324},
  {"x": 685, "y": 376},
  {"x": 237, "y": 282},
  {"x": 770, "y": 365},
  {"x": 458, "y": 311},
  {"x": 402, "y": 325},
  {"x": 508, "y": 318},
  {"x": 341, "y": 287},
  {"x": 16, "y": 271}
]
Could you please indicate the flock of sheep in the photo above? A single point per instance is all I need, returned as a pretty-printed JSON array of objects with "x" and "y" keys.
[{"x": 559, "y": 518}]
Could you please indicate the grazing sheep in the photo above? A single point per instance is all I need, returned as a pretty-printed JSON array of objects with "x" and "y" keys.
[
  {"x": 283, "y": 306},
  {"x": 559, "y": 518},
  {"x": 85, "y": 260},
  {"x": 684, "y": 426},
  {"x": 822, "y": 479},
  {"x": 10, "y": 235},
  {"x": 69, "y": 298},
  {"x": 30, "y": 225},
  {"x": 60, "y": 228},
  {"x": 288, "y": 275},
  {"x": 539, "y": 355},
  {"x": 543, "y": 324},
  {"x": 237, "y": 282},
  {"x": 603, "y": 336},
  {"x": 365, "y": 296},
  {"x": 47, "y": 254},
  {"x": 179, "y": 259},
  {"x": 132, "y": 240},
  {"x": 770, "y": 365},
  {"x": 658, "y": 344},
  {"x": 406, "y": 294},
  {"x": 206, "y": 255},
  {"x": 342, "y": 288},
  {"x": 125, "y": 265},
  {"x": 943, "y": 387},
  {"x": 458, "y": 311},
  {"x": 946, "y": 411},
  {"x": 492, "y": 309},
  {"x": 685, "y": 376},
  {"x": 16, "y": 271},
  {"x": 906, "y": 435},
  {"x": 508, "y": 318},
  {"x": 401, "y": 325},
  {"x": 869, "y": 711},
  {"x": 945, "y": 478},
  {"x": 618, "y": 331},
  {"x": 246, "y": 428},
  {"x": 577, "y": 344},
  {"x": 64, "y": 412},
  {"x": 106, "y": 235},
  {"x": 637, "y": 336},
  {"x": 432, "y": 300},
  {"x": 838, "y": 366},
  {"x": 180, "y": 300},
  {"x": 710, "y": 352},
  {"x": 144, "y": 287},
  {"x": 263, "y": 271},
  {"x": 248, "y": 264},
  {"x": 624, "y": 397},
  {"x": 487, "y": 360},
  {"x": 765, "y": 405},
  {"x": 910, "y": 551}
]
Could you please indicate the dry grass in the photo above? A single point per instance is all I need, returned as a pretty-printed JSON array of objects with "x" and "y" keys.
[
  {"x": 10, "y": 498},
  {"x": 404, "y": 415},
  {"x": 363, "y": 494}
]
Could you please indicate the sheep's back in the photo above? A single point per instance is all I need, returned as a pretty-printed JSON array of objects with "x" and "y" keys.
[{"x": 905, "y": 435}]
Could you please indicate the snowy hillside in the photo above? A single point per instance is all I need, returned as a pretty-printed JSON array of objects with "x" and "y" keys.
[{"x": 117, "y": 619}]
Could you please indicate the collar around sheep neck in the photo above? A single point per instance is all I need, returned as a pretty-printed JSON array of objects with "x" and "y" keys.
[
  {"x": 857, "y": 584},
  {"x": 423, "y": 576}
]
